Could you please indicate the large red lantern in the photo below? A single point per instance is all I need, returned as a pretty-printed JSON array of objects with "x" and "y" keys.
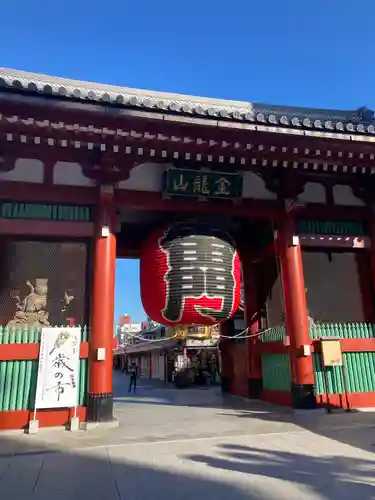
[{"x": 190, "y": 274}]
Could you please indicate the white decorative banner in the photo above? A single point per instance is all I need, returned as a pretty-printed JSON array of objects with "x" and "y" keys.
[{"x": 57, "y": 383}]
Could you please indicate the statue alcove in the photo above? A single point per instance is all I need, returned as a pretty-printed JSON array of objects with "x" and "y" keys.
[{"x": 32, "y": 269}]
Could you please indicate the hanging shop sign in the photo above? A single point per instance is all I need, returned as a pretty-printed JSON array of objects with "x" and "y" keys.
[
  {"x": 58, "y": 371},
  {"x": 198, "y": 344},
  {"x": 193, "y": 331},
  {"x": 190, "y": 275},
  {"x": 331, "y": 353},
  {"x": 198, "y": 331},
  {"x": 195, "y": 183},
  {"x": 51, "y": 212},
  {"x": 330, "y": 227}
]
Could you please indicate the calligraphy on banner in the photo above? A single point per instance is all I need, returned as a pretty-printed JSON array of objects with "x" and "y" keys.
[
  {"x": 58, "y": 371},
  {"x": 196, "y": 183}
]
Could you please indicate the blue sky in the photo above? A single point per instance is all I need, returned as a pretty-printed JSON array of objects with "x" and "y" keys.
[{"x": 316, "y": 53}]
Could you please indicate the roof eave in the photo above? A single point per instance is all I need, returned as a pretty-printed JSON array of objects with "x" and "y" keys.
[{"x": 295, "y": 126}]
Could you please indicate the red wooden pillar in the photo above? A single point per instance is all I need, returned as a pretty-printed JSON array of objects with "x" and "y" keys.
[
  {"x": 251, "y": 310},
  {"x": 100, "y": 397},
  {"x": 296, "y": 316}
]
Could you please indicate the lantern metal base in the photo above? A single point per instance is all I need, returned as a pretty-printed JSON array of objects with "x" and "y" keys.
[
  {"x": 100, "y": 407},
  {"x": 255, "y": 386},
  {"x": 303, "y": 396},
  {"x": 225, "y": 385}
]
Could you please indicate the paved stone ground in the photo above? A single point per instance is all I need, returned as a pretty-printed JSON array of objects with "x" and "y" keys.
[{"x": 188, "y": 444}]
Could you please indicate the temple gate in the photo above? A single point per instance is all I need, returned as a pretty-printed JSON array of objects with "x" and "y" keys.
[{"x": 88, "y": 170}]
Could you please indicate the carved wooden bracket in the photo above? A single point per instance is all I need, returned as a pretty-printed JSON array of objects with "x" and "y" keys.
[
  {"x": 106, "y": 168},
  {"x": 364, "y": 189},
  {"x": 286, "y": 184},
  {"x": 291, "y": 205},
  {"x": 7, "y": 162}
]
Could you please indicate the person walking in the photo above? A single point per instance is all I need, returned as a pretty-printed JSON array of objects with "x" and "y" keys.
[
  {"x": 133, "y": 371},
  {"x": 126, "y": 366}
]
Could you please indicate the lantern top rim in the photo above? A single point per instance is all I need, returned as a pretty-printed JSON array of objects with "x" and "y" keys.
[{"x": 186, "y": 229}]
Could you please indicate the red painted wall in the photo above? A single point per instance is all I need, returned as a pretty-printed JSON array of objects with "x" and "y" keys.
[{"x": 239, "y": 383}]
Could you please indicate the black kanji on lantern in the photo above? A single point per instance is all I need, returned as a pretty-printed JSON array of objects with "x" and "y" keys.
[{"x": 200, "y": 264}]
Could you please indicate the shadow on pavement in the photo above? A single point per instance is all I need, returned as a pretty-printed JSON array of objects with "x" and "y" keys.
[
  {"x": 330, "y": 477},
  {"x": 96, "y": 475},
  {"x": 354, "y": 428}
]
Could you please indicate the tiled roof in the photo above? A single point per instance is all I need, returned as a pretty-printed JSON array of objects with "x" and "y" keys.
[{"x": 360, "y": 121}]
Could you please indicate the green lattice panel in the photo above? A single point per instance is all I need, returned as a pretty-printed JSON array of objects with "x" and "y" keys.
[
  {"x": 274, "y": 334},
  {"x": 19, "y": 335},
  {"x": 35, "y": 211},
  {"x": 342, "y": 330},
  {"x": 18, "y": 384},
  {"x": 360, "y": 370},
  {"x": 276, "y": 372},
  {"x": 330, "y": 227}
]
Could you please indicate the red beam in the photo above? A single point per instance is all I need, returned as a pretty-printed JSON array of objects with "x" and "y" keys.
[
  {"x": 126, "y": 252},
  {"x": 326, "y": 241},
  {"x": 347, "y": 345},
  {"x": 144, "y": 200},
  {"x": 13, "y": 352},
  {"x": 356, "y": 400},
  {"x": 282, "y": 398},
  {"x": 351, "y": 345},
  {"x": 57, "y": 229},
  {"x": 321, "y": 211},
  {"x": 23, "y": 191},
  {"x": 40, "y": 152},
  {"x": 275, "y": 347}
]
